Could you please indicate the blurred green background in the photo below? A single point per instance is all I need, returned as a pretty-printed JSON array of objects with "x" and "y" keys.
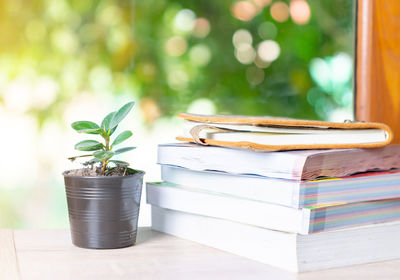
[{"x": 66, "y": 60}]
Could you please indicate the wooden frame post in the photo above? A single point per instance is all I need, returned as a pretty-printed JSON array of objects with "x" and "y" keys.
[{"x": 377, "y": 87}]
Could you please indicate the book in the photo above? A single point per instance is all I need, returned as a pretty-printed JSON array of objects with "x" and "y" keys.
[
  {"x": 296, "y": 165},
  {"x": 287, "y": 251},
  {"x": 273, "y": 216},
  {"x": 291, "y": 193},
  {"x": 267, "y": 133}
]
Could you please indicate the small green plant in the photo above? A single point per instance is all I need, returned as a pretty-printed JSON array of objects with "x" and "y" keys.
[{"x": 104, "y": 152}]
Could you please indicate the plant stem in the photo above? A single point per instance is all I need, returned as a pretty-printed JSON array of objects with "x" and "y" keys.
[
  {"x": 103, "y": 166},
  {"x": 73, "y": 158},
  {"x": 107, "y": 147},
  {"x": 107, "y": 139}
]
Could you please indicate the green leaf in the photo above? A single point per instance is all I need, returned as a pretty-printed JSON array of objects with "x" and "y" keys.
[
  {"x": 123, "y": 150},
  {"x": 119, "y": 162},
  {"x": 103, "y": 155},
  {"x": 86, "y": 127},
  {"x": 105, "y": 124},
  {"x": 120, "y": 114},
  {"x": 88, "y": 145},
  {"x": 122, "y": 137}
]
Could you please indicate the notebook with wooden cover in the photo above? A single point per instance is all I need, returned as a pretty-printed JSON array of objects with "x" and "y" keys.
[{"x": 275, "y": 134}]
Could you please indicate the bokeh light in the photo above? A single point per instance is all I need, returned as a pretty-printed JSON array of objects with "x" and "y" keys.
[
  {"x": 268, "y": 50},
  {"x": 262, "y": 3},
  {"x": 245, "y": 54},
  {"x": 201, "y": 28},
  {"x": 17, "y": 94},
  {"x": 200, "y": 55},
  {"x": 244, "y": 10},
  {"x": 178, "y": 79},
  {"x": 244, "y": 51},
  {"x": 73, "y": 75},
  {"x": 56, "y": 10},
  {"x": 150, "y": 109},
  {"x": 261, "y": 63},
  {"x": 44, "y": 93},
  {"x": 254, "y": 75},
  {"x": 24, "y": 128},
  {"x": 313, "y": 95},
  {"x": 101, "y": 79},
  {"x": 320, "y": 72},
  {"x": 202, "y": 106},
  {"x": 65, "y": 40},
  {"x": 267, "y": 30},
  {"x": 185, "y": 20},
  {"x": 240, "y": 37},
  {"x": 300, "y": 11},
  {"x": 108, "y": 15},
  {"x": 280, "y": 11},
  {"x": 147, "y": 71},
  {"x": 119, "y": 37},
  {"x": 330, "y": 71},
  {"x": 342, "y": 68},
  {"x": 176, "y": 46}
]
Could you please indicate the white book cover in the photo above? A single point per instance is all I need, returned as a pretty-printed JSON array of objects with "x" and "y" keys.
[
  {"x": 230, "y": 208},
  {"x": 288, "y": 251},
  {"x": 272, "y": 216},
  {"x": 277, "y": 191},
  {"x": 291, "y": 193}
]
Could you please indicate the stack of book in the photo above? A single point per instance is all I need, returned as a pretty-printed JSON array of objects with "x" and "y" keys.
[{"x": 299, "y": 210}]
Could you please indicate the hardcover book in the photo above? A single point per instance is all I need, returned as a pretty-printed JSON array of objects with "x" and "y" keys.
[{"x": 271, "y": 133}]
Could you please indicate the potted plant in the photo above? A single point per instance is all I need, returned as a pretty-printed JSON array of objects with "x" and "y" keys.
[{"x": 104, "y": 196}]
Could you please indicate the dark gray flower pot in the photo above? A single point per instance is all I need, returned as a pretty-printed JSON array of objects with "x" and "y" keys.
[{"x": 103, "y": 210}]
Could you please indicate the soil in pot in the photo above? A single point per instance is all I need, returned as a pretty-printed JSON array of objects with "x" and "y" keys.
[{"x": 93, "y": 171}]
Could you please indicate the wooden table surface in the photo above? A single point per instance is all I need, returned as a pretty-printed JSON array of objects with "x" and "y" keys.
[{"x": 49, "y": 254}]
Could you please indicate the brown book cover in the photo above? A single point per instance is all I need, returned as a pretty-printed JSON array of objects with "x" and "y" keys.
[{"x": 233, "y": 125}]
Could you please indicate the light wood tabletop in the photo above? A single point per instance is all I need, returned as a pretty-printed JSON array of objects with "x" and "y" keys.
[{"x": 49, "y": 254}]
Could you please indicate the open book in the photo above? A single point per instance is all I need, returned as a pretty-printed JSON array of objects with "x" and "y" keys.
[{"x": 267, "y": 133}]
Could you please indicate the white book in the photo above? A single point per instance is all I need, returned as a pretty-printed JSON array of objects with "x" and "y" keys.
[
  {"x": 277, "y": 191},
  {"x": 297, "y": 165},
  {"x": 271, "y": 216},
  {"x": 288, "y": 251},
  {"x": 240, "y": 210},
  {"x": 292, "y": 193}
]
